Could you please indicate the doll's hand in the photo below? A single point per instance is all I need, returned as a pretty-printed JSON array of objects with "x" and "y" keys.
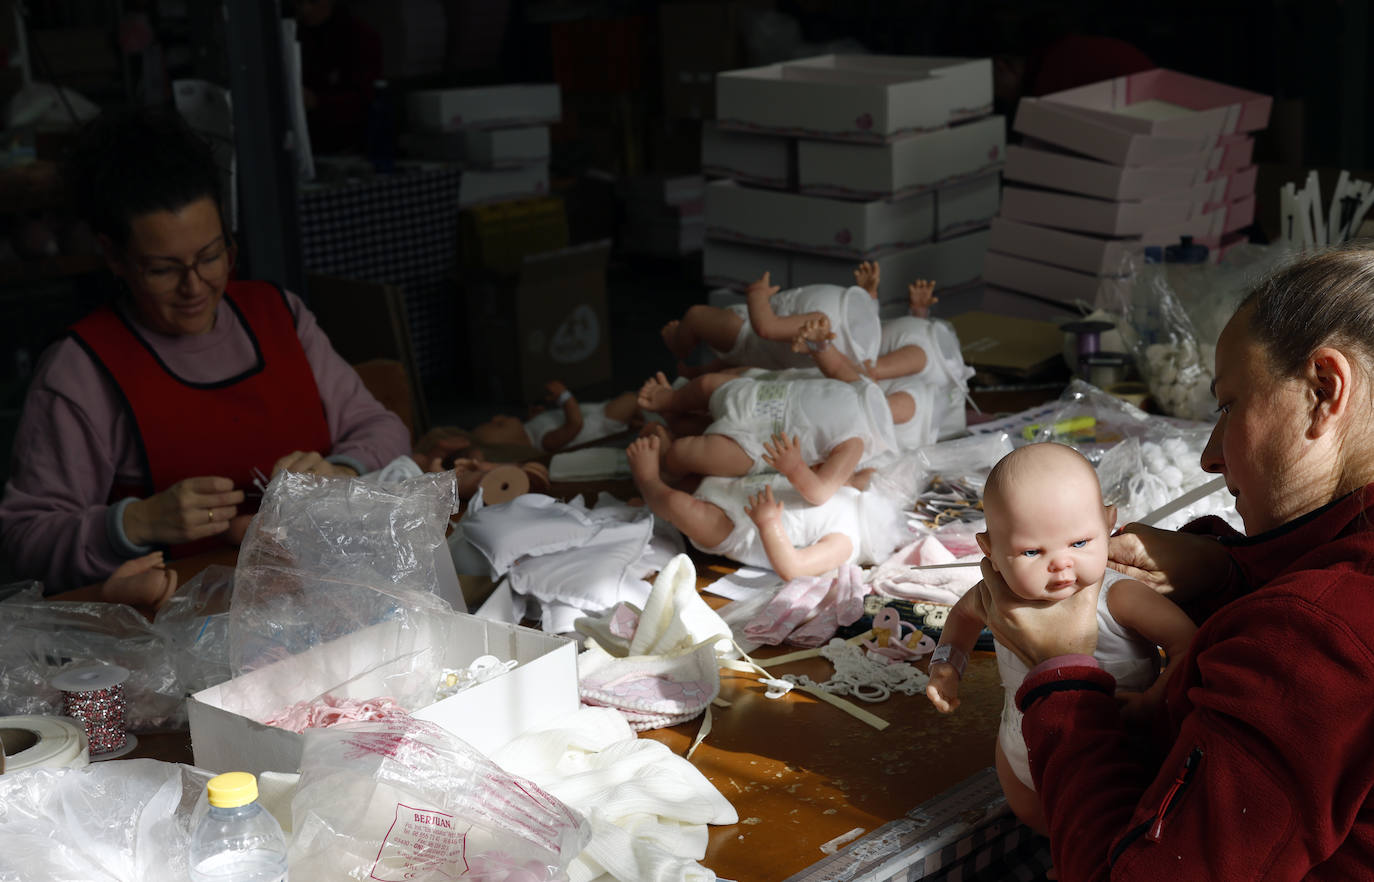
[
  {"x": 763, "y": 509},
  {"x": 921, "y": 297},
  {"x": 813, "y": 331},
  {"x": 870, "y": 369},
  {"x": 943, "y": 688},
  {"x": 783, "y": 454},
  {"x": 867, "y": 276},
  {"x": 761, "y": 288},
  {"x": 143, "y": 583},
  {"x": 553, "y": 389}
]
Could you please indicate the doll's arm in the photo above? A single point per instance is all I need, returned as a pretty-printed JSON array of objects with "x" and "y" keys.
[
  {"x": 816, "y": 485},
  {"x": 962, "y": 627},
  {"x": 788, "y": 561},
  {"x": 901, "y": 362},
  {"x": 559, "y": 437},
  {"x": 1157, "y": 619}
]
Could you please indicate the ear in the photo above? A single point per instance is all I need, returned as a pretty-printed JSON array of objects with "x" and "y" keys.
[
  {"x": 111, "y": 254},
  {"x": 1109, "y": 513},
  {"x": 985, "y": 545},
  {"x": 1327, "y": 378}
]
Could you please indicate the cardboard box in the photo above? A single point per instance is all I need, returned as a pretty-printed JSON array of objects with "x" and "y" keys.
[
  {"x": 1064, "y": 127},
  {"x": 1070, "y": 212},
  {"x": 1166, "y": 103},
  {"x": 481, "y": 185},
  {"x": 952, "y": 263},
  {"x": 904, "y": 166},
  {"x": 548, "y": 321},
  {"x": 866, "y": 98},
  {"x": 1053, "y": 282},
  {"x": 1085, "y": 253},
  {"x": 484, "y": 148},
  {"x": 815, "y": 224},
  {"x": 1008, "y": 345},
  {"x": 226, "y": 735},
  {"x": 497, "y": 237},
  {"x": 966, "y": 205},
  {"x": 485, "y": 107},
  {"x": 735, "y": 266},
  {"x": 763, "y": 160},
  {"x": 1076, "y": 174}
]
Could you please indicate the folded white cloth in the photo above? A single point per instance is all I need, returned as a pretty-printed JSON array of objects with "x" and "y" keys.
[
  {"x": 647, "y": 806},
  {"x": 590, "y": 464}
]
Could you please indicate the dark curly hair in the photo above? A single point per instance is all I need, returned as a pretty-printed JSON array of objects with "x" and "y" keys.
[{"x": 132, "y": 162}]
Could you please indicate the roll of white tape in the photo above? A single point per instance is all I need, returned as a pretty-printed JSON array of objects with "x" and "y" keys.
[{"x": 42, "y": 742}]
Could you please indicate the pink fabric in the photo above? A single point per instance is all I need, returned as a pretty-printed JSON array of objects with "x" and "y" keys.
[
  {"x": 807, "y": 612},
  {"x": 895, "y": 577},
  {"x": 330, "y": 711},
  {"x": 74, "y": 442}
]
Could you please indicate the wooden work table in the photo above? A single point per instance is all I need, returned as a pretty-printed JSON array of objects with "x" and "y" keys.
[{"x": 798, "y": 771}]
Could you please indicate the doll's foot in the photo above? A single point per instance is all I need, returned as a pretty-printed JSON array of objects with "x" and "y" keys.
[
  {"x": 672, "y": 338},
  {"x": 861, "y": 479},
  {"x": 656, "y": 430},
  {"x": 814, "y": 331},
  {"x": 644, "y": 453},
  {"x": 656, "y": 394},
  {"x": 921, "y": 297}
]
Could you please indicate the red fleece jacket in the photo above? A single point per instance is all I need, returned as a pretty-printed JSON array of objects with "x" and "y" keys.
[{"x": 1266, "y": 735}]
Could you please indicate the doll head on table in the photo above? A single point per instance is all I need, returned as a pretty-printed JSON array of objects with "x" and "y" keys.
[{"x": 1047, "y": 528}]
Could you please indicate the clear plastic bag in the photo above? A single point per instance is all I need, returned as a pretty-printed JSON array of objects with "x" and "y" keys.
[
  {"x": 407, "y": 800},
  {"x": 1174, "y": 312},
  {"x": 123, "y": 821},
  {"x": 40, "y": 638},
  {"x": 195, "y": 622},
  {"x": 325, "y": 558}
]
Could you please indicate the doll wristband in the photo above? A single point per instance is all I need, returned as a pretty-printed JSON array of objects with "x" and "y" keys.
[
  {"x": 562, "y": 398},
  {"x": 950, "y": 654}
]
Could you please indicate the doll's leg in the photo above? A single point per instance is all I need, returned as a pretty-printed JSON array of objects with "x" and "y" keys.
[
  {"x": 1023, "y": 801},
  {"x": 716, "y": 327},
  {"x": 623, "y": 408},
  {"x": 708, "y": 455},
  {"x": 658, "y": 395},
  {"x": 702, "y": 522}
]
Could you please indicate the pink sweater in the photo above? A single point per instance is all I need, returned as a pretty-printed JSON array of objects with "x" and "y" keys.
[{"x": 75, "y": 442}]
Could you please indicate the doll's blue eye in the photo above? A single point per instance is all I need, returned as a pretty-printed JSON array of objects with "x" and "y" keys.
[
  {"x": 1080, "y": 543},
  {"x": 1030, "y": 552}
]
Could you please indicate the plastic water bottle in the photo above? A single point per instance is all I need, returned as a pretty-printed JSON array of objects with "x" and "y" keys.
[{"x": 238, "y": 840}]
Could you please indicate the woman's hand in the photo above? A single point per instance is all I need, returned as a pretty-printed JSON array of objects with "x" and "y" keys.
[
  {"x": 188, "y": 510},
  {"x": 1180, "y": 565},
  {"x": 310, "y": 462},
  {"x": 1036, "y": 630}
]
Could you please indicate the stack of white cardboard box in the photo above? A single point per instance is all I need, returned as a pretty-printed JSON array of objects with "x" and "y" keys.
[
  {"x": 500, "y": 134},
  {"x": 664, "y": 216},
  {"x": 1110, "y": 169},
  {"x": 833, "y": 160}
]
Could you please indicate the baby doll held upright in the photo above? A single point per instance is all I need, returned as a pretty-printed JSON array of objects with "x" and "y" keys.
[{"x": 1046, "y": 537}]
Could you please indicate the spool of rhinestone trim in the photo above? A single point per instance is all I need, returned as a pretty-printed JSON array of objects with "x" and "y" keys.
[{"x": 93, "y": 695}]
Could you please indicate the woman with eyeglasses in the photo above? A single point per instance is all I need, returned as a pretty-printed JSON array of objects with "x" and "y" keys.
[{"x": 145, "y": 424}]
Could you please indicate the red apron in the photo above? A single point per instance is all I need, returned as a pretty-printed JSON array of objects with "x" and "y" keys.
[{"x": 223, "y": 429}]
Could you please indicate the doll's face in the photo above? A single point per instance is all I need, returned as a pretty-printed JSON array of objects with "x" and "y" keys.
[{"x": 1047, "y": 534}]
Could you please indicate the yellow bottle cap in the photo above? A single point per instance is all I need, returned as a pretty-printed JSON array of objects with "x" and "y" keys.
[{"x": 232, "y": 789}]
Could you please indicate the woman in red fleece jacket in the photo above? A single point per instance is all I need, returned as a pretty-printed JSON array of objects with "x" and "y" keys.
[{"x": 1263, "y": 760}]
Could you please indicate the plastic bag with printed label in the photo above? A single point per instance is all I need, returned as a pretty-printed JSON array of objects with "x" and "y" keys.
[
  {"x": 327, "y": 557},
  {"x": 405, "y": 799},
  {"x": 123, "y": 821}
]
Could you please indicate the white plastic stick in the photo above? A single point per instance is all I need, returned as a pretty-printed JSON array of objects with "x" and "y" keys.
[
  {"x": 1333, "y": 212},
  {"x": 1314, "y": 188},
  {"x": 1183, "y": 501}
]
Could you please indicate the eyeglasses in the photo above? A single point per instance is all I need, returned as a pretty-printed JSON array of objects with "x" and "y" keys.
[{"x": 213, "y": 266}]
